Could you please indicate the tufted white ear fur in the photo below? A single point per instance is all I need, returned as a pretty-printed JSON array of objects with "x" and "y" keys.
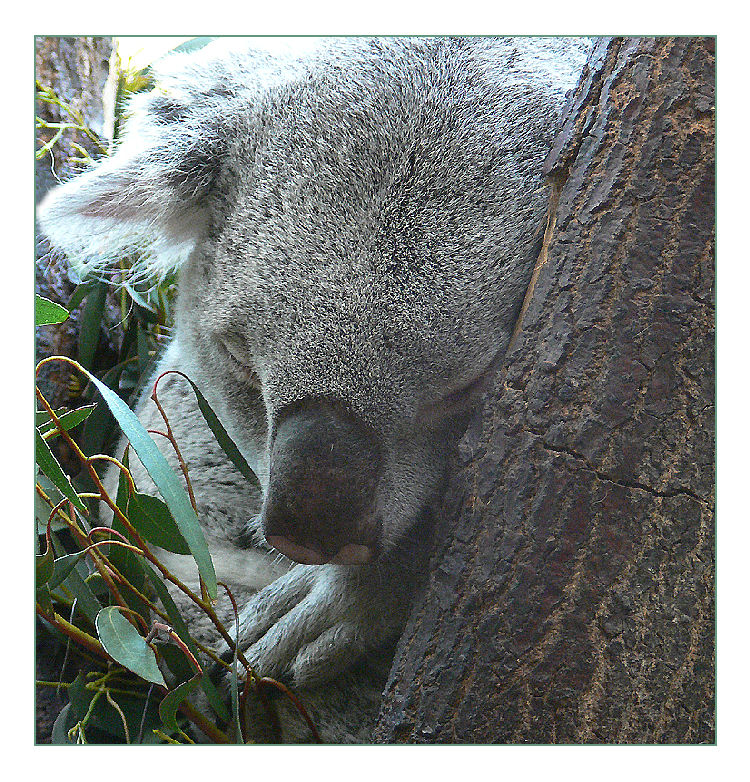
[
  {"x": 123, "y": 205},
  {"x": 151, "y": 195}
]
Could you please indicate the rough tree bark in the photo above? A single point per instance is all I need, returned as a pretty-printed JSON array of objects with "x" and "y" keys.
[
  {"x": 76, "y": 70},
  {"x": 572, "y": 599}
]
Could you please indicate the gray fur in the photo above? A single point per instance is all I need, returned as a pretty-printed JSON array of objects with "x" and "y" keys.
[{"x": 354, "y": 226}]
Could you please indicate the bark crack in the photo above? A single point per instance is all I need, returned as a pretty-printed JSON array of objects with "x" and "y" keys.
[{"x": 602, "y": 476}]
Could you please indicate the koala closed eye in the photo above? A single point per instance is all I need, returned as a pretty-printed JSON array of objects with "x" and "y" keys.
[{"x": 239, "y": 362}]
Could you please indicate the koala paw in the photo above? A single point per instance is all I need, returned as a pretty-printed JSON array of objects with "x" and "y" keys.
[{"x": 315, "y": 622}]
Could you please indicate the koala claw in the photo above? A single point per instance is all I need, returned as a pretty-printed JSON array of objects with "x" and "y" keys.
[{"x": 311, "y": 624}]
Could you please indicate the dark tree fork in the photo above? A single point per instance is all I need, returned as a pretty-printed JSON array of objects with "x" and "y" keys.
[{"x": 573, "y": 598}]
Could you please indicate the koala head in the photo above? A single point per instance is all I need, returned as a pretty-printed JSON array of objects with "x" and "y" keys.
[{"x": 354, "y": 234}]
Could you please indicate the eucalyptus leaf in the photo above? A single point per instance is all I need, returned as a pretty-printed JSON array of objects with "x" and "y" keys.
[
  {"x": 176, "y": 660},
  {"x": 99, "y": 429},
  {"x": 68, "y": 419},
  {"x": 79, "y": 697},
  {"x": 98, "y": 585},
  {"x": 137, "y": 297},
  {"x": 179, "y": 626},
  {"x": 86, "y": 601},
  {"x": 51, "y": 468},
  {"x": 42, "y": 510},
  {"x": 151, "y": 517},
  {"x": 234, "y": 687},
  {"x": 166, "y": 481},
  {"x": 90, "y": 323},
  {"x": 44, "y": 599},
  {"x": 145, "y": 359},
  {"x": 45, "y": 567},
  {"x": 123, "y": 642},
  {"x": 194, "y": 44},
  {"x": 222, "y": 437},
  {"x": 47, "y": 312},
  {"x": 79, "y": 294},
  {"x": 104, "y": 723},
  {"x": 172, "y": 700},
  {"x": 66, "y": 719},
  {"x": 127, "y": 562},
  {"x": 41, "y": 513},
  {"x": 64, "y": 567}
]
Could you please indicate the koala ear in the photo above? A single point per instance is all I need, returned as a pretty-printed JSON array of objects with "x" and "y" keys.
[{"x": 151, "y": 194}]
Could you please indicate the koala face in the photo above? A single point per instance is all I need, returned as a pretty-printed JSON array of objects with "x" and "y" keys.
[
  {"x": 358, "y": 231},
  {"x": 360, "y": 410},
  {"x": 360, "y": 401}
]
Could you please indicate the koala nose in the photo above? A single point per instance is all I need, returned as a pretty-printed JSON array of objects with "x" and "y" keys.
[{"x": 324, "y": 468}]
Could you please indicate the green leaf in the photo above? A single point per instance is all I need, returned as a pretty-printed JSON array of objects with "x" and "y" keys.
[
  {"x": 47, "y": 312},
  {"x": 172, "y": 700},
  {"x": 166, "y": 481},
  {"x": 123, "y": 642},
  {"x": 179, "y": 666},
  {"x": 127, "y": 562},
  {"x": 67, "y": 420},
  {"x": 66, "y": 719},
  {"x": 235, "y": 696},
  {"x": 98, "y": 586},
  {"x": 63, "y": 568},
  {"x": 137, "y": 297},
  {"x": 45, "y": 600},
  {"x": 99, "y": 429},
  {"x": 234, "y": 682},
  {"x": 194, "y": 44},
  {"x": 79, "y": 294},
  {"x": 42, "y": 510},
  {"x": 86, "y": 601},
  {"x": 103, "y": 722},
  {"x": 145, "y": 359},
  {"x": 51, "y": 468},
  {"x": 90, "y": 323},
  {"x": 179, "y": 626},
  {"x": 151, "y": 517},
  {"x": 223, "y": 438},
  {"x": 45, "y": 567}
]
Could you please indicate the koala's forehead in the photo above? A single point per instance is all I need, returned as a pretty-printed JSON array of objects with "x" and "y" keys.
[
  {"x": 399, "y": 182},
  {"x": 409, "y": 156},
  {"x": 346, "y": 290},
  {"x": 342, "y": 305}
]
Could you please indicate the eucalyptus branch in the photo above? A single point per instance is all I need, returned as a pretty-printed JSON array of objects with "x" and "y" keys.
[
  {"x": 181, "y": 461},
  {"x": 92, "y": 546},
  {"x": 170, "y": 436},
  {"x": 160, "y": 626},
  {"x": 82, "y": 638},
  {"x": 267, "y": 681},
  {"x": 100, "y": 563},
  {"x": 202, "y": 602},
  {"x": 116, "y": 706}
]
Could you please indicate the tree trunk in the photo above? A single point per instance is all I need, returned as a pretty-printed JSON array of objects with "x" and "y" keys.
[
  {"x": 76, "y": 70},
  {"x": 571, "y": 595}
]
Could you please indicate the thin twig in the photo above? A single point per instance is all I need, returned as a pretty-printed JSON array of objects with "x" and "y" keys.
[{"x": 266, "y": 680}]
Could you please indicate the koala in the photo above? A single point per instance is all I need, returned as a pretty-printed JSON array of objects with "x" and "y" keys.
[{"x": 354, "y": 230}]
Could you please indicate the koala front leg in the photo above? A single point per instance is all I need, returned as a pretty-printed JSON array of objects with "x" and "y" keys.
[{"x": 317, "y": 620}]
